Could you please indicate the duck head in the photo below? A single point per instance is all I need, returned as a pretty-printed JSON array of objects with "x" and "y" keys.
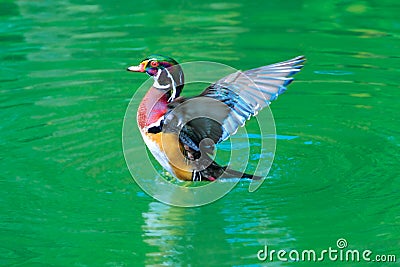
[{"x": 167, "y": 74}]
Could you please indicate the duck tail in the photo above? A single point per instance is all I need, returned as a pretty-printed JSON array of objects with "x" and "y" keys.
[
  {"x": 216, "y": 171},
  {"x": 229, "y": 173}
]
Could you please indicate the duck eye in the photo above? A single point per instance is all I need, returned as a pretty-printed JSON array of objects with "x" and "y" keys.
[{"x": 154, "y": 64}]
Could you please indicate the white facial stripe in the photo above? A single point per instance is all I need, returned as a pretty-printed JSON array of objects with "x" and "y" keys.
[
  {"x": 180, "y": 78},
  {"x": 174, "y": 91}
]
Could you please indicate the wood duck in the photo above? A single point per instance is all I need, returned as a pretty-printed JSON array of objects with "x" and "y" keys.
[{"x": 183, "y": 146}]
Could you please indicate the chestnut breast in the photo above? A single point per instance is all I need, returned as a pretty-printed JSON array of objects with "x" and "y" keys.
[{"x": 152, "y": 107}]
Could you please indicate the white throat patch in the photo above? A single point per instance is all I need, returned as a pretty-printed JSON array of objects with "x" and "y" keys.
[{"x": 157, "y": 85}]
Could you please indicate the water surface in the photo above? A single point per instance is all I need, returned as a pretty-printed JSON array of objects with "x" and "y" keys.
[{"x": 67, "y": 196}]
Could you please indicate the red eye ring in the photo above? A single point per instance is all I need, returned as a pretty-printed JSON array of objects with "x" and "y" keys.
[{"x": 154, "y": 64}]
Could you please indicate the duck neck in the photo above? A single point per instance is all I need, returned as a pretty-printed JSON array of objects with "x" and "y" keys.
[{"x": 170, "y": 80}]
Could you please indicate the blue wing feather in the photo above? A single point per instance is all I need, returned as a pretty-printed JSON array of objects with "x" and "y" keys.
[
  {"x": 239, "y": 96},
  {"x": 252, "y": 90}
]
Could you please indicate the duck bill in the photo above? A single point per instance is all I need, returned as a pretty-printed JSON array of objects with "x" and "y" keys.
[{"x": 139, "y": 68}]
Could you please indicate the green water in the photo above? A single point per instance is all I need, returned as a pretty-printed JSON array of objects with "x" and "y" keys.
[{"x": 67, "y": 196}]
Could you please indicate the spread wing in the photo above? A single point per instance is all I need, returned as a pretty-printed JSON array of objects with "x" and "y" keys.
[{"x": 224, "y": 106}]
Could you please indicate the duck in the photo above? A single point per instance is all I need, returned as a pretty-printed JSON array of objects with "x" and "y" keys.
[{"x": 182, "y": 132}]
